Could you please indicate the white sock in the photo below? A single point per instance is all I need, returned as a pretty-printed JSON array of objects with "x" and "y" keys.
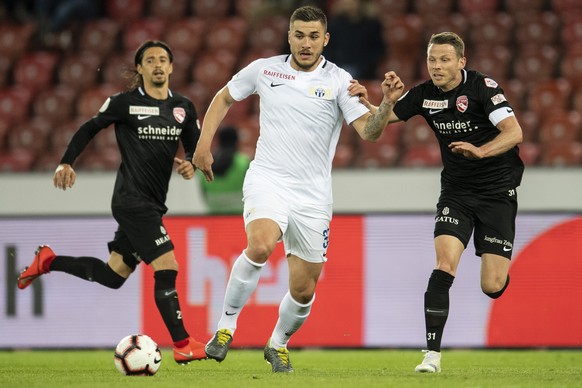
[
  {"x": 243, "y": 280},
  {"x": 292, "y": 314}
]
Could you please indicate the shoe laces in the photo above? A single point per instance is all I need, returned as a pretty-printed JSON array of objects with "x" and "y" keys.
[
  {"x": 429, "y": 354},
  {"x": 283, "y": 355},
  {"x": 223, "y": 336}
]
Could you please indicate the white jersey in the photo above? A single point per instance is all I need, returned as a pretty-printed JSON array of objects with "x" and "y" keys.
[{"x": 301, "y": 115}]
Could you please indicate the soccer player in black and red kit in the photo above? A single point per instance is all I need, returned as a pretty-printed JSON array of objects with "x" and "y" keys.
[
  {"x": 150, "y": 121},
  {"x": 478, "y": 135}
]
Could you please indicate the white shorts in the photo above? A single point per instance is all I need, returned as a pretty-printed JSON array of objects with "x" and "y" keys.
[{"x": 305, "y": 228}]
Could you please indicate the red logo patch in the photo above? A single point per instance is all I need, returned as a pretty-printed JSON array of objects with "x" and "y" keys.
[
  {"x": 462, "y": 103},
  {"x": 179, "y": 114}
]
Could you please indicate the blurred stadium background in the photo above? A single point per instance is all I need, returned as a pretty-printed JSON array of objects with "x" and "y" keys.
[{"x": 51, "y": 81}]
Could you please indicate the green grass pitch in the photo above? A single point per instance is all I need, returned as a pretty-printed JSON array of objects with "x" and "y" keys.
[{"x": 313, "y": 369}]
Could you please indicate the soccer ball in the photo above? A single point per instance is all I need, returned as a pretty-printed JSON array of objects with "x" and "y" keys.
[{"x": 137, "y": 355}]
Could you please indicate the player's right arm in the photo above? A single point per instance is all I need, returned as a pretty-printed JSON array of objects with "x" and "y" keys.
[{"x": 215, "y": 113}]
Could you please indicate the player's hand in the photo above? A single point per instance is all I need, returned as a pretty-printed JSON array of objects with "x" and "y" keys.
[
  {"x": 357, "y": 89},
  {"x": 64, "y": 177},
  {"x": 185, "y": 168},
  {"x": 392, "y": 87},
  {"x": 468, "y": 150},
  {"x": 203, "y": 161}
]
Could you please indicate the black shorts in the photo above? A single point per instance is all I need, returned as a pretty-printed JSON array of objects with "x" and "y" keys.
[
  {"x": 140, "y": 236},
  {"x": 491, "y": 217}
]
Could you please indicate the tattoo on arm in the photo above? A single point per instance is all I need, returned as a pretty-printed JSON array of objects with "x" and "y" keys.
[{"x": 378, "y": 121}]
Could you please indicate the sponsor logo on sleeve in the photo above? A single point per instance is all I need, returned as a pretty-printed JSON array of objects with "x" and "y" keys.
[
  {"x": 490, "y": 83},
  {"x": 498, "y": 99}
]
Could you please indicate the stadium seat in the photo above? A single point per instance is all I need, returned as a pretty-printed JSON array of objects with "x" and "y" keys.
[
  {"x": 214, "y": 69},
  {"x": 61, "y": 134},
  {"x": 181, "y": 70},
  {"x": 571, "y": 68},
  {"x": 105, "y": 141},
  {"x": 524, "y": 9},
  {"x": 405, "y": 66},
  {"x": 80, "y": 70},
  {"x": 91, "y": 160},
  {"x": 36, "y": 70},
  {"x": 392, "y": 8},
  {"x": 529, "y": 153},
  {"x": 269, "y": 33},
  {"x": 514, "y": 91},
  {"x": 124, "y": 11},
  {"x": 416, "y": 131},
  {"x": 494, "y": 30},
  {"x": 535, "y": 63},
  {"x": 549, "y": 95},
  {"x": 565, "y": 7},
  {"x": 227, "y": 34},
  {"x": 251, "y": 55},
  {"x": 15, "y": 39},
  {"x": 479, "y": 7},
  {"x": 529, "y": 122},
  {"x": 210, "y": 9},
  {"x": 198, "y": 94},
  {"x": 248, "y": 130},
  {"x": 117, "y": 70},
  {"x": 433, "y": 9},
  {"x": 493, "y": 60},
  {"x": 561, "y": 154},
  {"x": 54, "y": 105},
  {"x": 15, "y": 104},
  {"x": 4, "y": 128},
  {"x": 5, "y": 67},
  {"x": 89, "y": 102},
  {"x": 20, "y": 160},
  {"x": 30, "y": 135},
  {"x": 385, "y": 152},
  {"x": 186, "y": 35},
  {"x": 404, "y": 36},
  {"x": 168, "y": 9},
  {"x": 571, "y": 32},
  {"x": 561, "y": 127},
  {"x": 47, "y": 161},
  {"x": 347, "y": 148},
  {"x": 99, "y": 36},
  {"x": 542, "y": 28},
  {"x": 422, "y": 155},
  {"x": 454, "y": 22},
  {"x": 140, "y": 30}
]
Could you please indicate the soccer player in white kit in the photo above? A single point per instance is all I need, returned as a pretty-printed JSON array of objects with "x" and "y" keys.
[{"x": 287, "y": 191}]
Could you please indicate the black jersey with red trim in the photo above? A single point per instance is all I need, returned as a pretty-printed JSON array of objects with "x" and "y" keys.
[
  {"x": 148, "y": 132},
  {"x": 463, "y": 114}
]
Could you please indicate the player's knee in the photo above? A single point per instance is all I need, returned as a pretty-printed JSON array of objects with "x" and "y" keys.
[
  {"x": 495, "y": 289},
  {"x": 112, "y": 279},
  {"x": 259, "y": 251}
]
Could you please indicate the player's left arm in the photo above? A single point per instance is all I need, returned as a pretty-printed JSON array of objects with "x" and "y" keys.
[{"x": 509, "y": 136}]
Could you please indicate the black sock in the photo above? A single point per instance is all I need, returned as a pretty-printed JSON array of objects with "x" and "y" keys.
[
  {"x": 436, "y": 307},
  {"x": 88, "y": 268},
  {"x": 168, "y": 304}
]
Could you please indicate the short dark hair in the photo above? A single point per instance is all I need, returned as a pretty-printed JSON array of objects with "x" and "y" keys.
[
  {"x": 148, "y": 44},
  {"x": 310, "y": 13},
  {"x": 449, "y": 38}
]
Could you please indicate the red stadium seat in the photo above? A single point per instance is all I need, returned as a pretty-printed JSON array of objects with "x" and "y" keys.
[
  {"x": 4, "y": 128},
  {"x": 514, "y": 91},
  {"x": 31, "y": 135},
  {"x": 61, "y": 134},
  {"x": 479, "y": 7},
  {"x": 422, "y": 155},
  {"x": 214, "y": 69},
  {"x": 47, "y": 161},
  {"x": 494, "y": 30},
  {"x": 99, "y": 37},
  {"x": 210, "y": 9},
  {"x": 20, "y": 160},
  {"x": 55, "y": 105},
  {"x": 5, "y": 67},
  {"x": 562, "y": 154},
  {"x": 117, "y": 70},
  {"x": 91, "y": 100},
  {"x": 15, "y": 39},
  {"x": 385, "y": 152},
  {"x": 571, "y": 68},
  {"x": 181, "y": 70},
  {"x": 405, "y": 67},
  {"x": 91, "y": 160},
  {"x": 392, "y": 8},
  {"x": 123, "y": 11},
  {"x": 36, "y": 70},
  {"x": 524, "y": 9},
  {"x": 168, "y": 9},
  {"x": 347, "y": 148},
  {"x": 529, "y": 153},
  {"x": 433, "y": 9},
  {"x": 564, "y": 7},
  {"x": 80, "y": 70},
  {"x": 198, "y": 94},
  {"x": 15, "y": 104},
  {"x": 543, "y": 28},
  {"x": 248, "y": 131},
  {"x": 227, "y": 34},
  {"x": 138, "y": 31},
  {"x": 549, "y": 95},
  {"x": 529, "y": 122},
  {"x": 454, "y": 22},
  {"x": 404, "y": 36},
  {"x": 186, "y": 35},
  {"x": 416, "y": 131},
  {"x": 269, "y": 33},
  {"x": 535, "y": 63},
  {"x": 493, "y": 60},
  {"x": 561, "y": 127}
]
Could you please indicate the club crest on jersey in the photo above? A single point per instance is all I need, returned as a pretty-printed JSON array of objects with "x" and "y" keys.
[
  {"x": 320, "y": 92},
  {"x": 179, "y": 114},
  {"x": 462, "y": 103}
]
